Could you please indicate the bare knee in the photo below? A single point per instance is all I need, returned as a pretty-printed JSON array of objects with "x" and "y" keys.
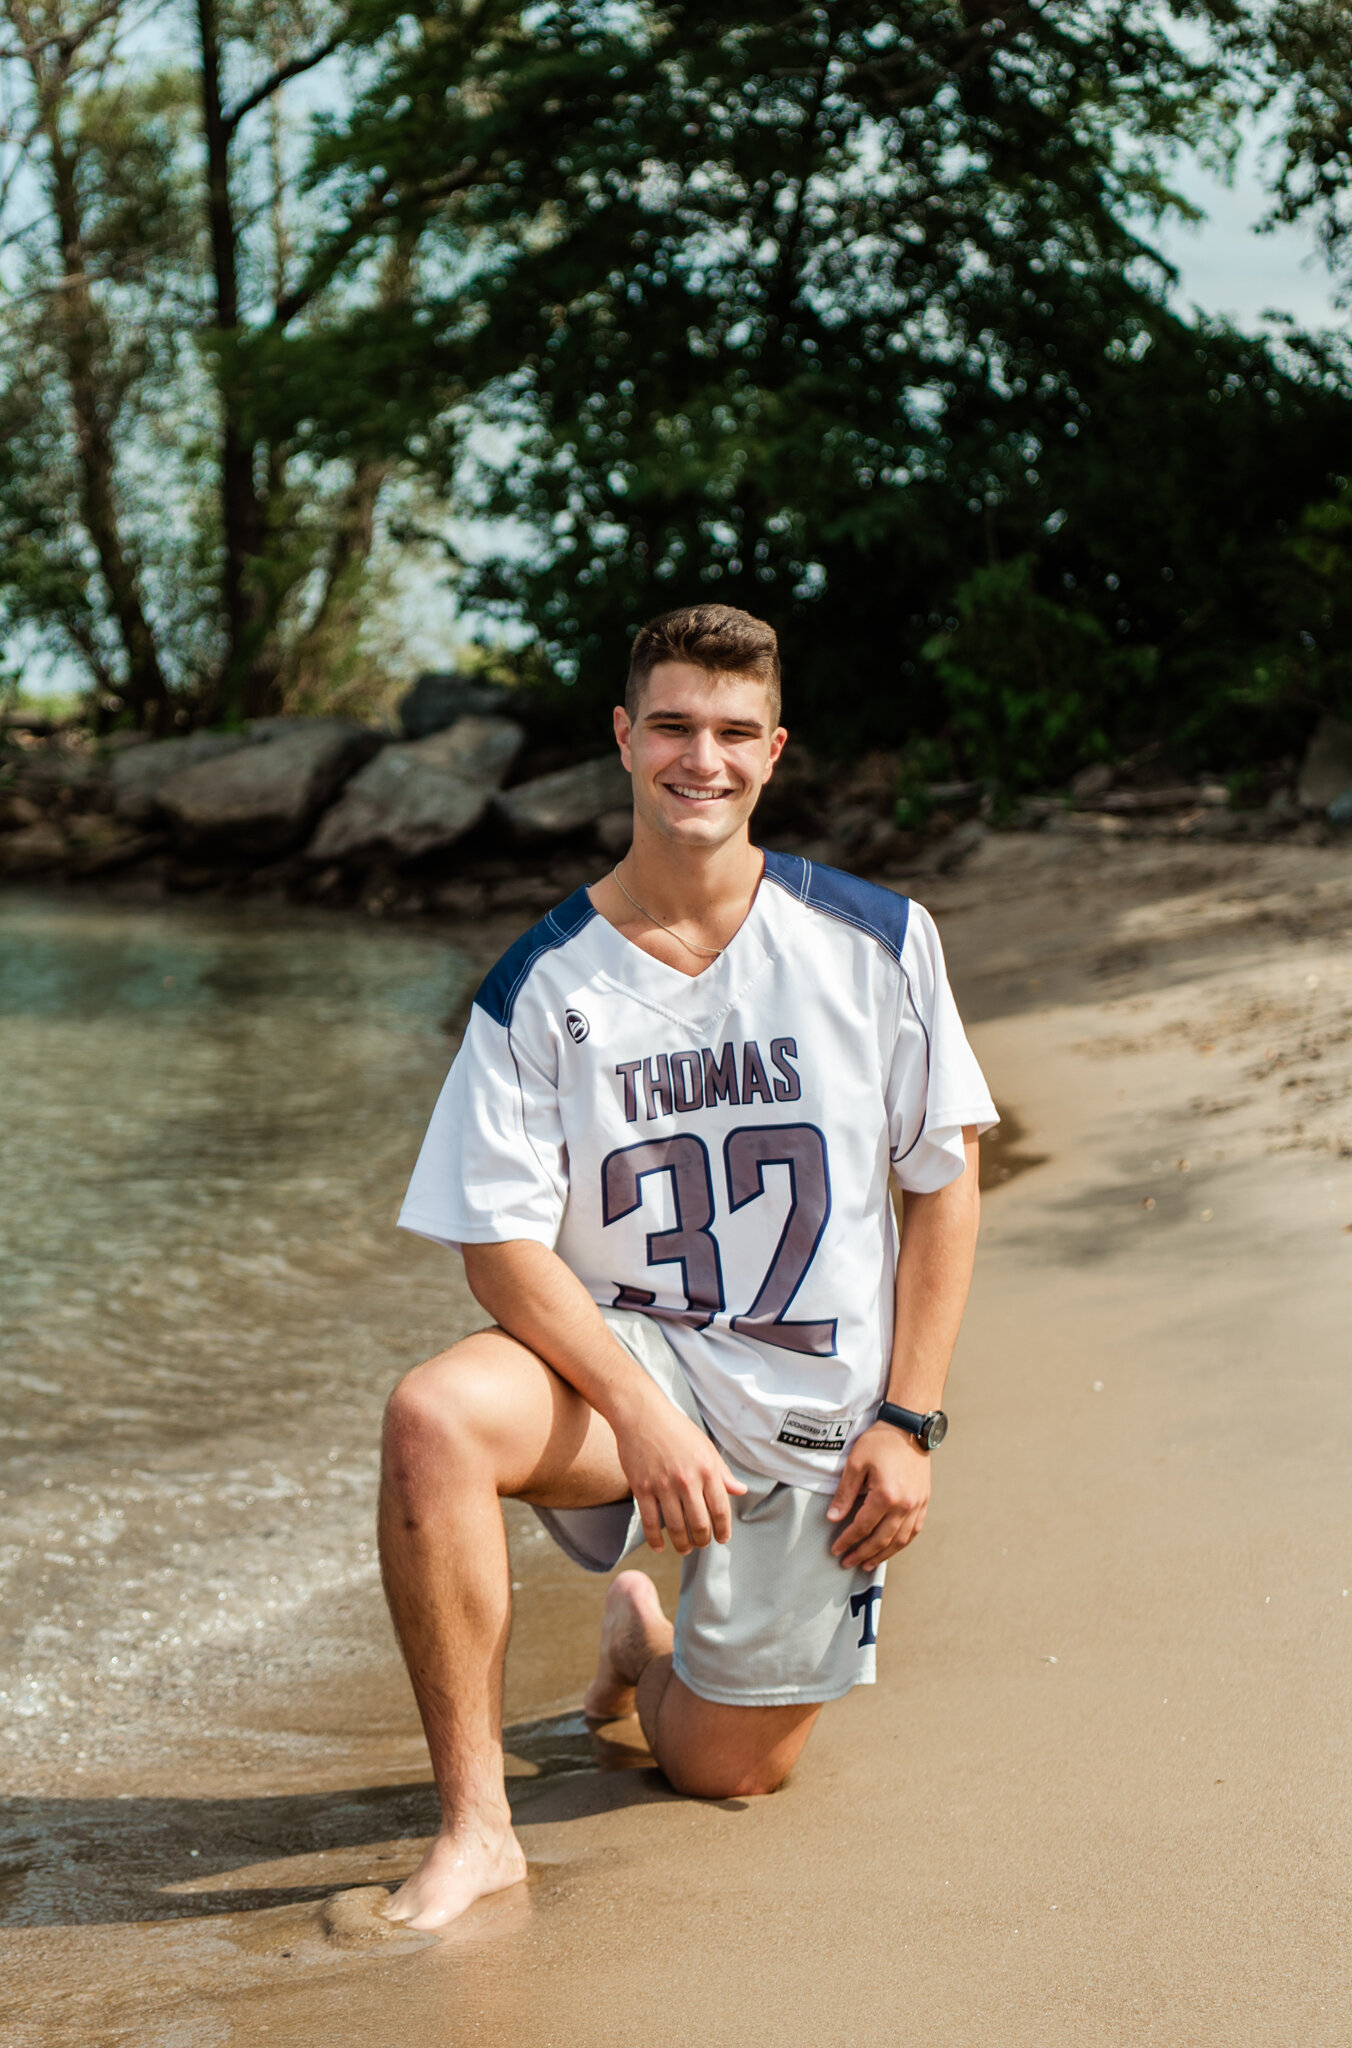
[
  {"x": 709, "y": 1751},
  {"x": 439, "y": 1415}
]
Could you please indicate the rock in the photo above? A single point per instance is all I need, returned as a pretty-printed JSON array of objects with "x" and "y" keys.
[
  {"x": 1182, "y": 796},
  {"x": 615, "y": 831},
  {"x": 262, "y": 799},
  {"x": 884, "y": 844},
  {"x": 103, "y": 856},
  {"x": 420, "y": 796},
  {"x": 946, "y": 794},
  {"x": 19, "y": 810},
  {"x": 139, "y": 773},
  {"x": 67, "y": 773},
  {"x": 1034, "y": 811},
  {"x": 533, "y": 893},
  {"x": 461, "y": 899},
  {"x": 1086, "y": 824},
  {"x": 960, "y": 845},
  {"x": 477, "y": 747},
  {"x": 437, "y": 701},
  {"x": 190, "y": 879},
  {"x": 852, "y": 825},
  {"x": 274, "y": 725},
  {"x": 1217, "y": 824},
  {"x": 1094, "y": 780},
  {"x": 1326, "y": 771},
  {"x": 1339, "y": 812},
  {"x": 567, "y": 800},
  {"x": 33, "y": 722},
  {"x": 33, "y": 848},
  {"x": 92, "y": 831}
]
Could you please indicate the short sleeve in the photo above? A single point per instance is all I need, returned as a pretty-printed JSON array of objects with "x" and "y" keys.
[
  {"x": 493, "y": 1165},
  {"x": 935, "y": 1086}
]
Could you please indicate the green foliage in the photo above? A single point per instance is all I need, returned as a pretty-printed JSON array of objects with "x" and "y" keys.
[
  {"x": 1034, "y": 689},
  {"x": 1310, "y": 664},
  {"x": 822, "y": 314},
  {"x": 202, "y": 417},
  {"x": 1320, "y": 594},
  {"x": 923, "y": 762},
  {"x": 816, "y": 292},
  {"x": 847, "y": 315},
  {"x": 1298, "y": 54}
]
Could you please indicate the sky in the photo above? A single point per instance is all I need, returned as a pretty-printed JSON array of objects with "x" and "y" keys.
[{"x": 1229, "y": 269}]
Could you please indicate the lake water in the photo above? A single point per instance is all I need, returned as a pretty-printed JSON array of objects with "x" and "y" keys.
[{"x": 209, "y": 1116}]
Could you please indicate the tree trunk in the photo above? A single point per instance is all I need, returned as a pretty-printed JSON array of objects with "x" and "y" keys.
[
  {"x": 337, "y": 613},
  {"x": 248, "y": 686},
  {"x": 79, "y": 324},
  {"x": 339, "y": 608}
]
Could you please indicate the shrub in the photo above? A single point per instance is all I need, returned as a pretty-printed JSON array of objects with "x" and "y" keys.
[{"x": 1034, "y": 690}]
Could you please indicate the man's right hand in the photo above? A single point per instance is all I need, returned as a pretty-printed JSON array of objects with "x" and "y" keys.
[
  {"x": 678, "y": 1478},
  {"x": 674, "y": 1470}
]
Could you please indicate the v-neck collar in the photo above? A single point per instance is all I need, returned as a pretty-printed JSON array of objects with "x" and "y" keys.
[{"x": 686, "y": 998}]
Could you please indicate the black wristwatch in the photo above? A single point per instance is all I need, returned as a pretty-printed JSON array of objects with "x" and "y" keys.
[{"x": 928, "y": 1430}]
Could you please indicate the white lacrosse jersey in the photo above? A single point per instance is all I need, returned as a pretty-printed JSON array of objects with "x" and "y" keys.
[{"x": 715, "y": 1150}]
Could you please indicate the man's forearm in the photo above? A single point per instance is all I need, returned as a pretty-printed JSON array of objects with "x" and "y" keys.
[
  {"x": 934, "y": 1272},
  {"x": 679, "y": 1480},
  {"x": 530, "y": 1292}
]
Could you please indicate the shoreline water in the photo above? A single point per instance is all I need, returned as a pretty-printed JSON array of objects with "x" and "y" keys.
[{"x": 1095, "y": 1552}]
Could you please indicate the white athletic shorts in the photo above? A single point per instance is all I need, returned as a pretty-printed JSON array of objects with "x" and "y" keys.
[{"x": 768, "y": 1619}]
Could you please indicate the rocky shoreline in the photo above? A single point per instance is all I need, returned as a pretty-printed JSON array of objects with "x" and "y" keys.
[{"x": 467, "y": 809}]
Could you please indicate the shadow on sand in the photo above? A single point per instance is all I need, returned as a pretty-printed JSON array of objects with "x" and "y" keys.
[{"x": 73, "y": 1861}]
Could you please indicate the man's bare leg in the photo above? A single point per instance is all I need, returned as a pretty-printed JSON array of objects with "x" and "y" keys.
[
  {"x": 705, "y": 1748},
  {"x": 488, "y": 1419},
  {"x": 485, "y": 1419}
]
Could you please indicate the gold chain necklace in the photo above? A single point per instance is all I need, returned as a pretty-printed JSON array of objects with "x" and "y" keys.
[{"x": 710, "y": 952}]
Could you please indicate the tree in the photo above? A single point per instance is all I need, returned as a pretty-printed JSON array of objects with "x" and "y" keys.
[
  {"x": 59, "y": 452},
  {"x": 823, "y": 286},
  {"x": 1298, "y": 59},
  {"x": 191, "y": 285},
  {"x": 825, "y": 310}
]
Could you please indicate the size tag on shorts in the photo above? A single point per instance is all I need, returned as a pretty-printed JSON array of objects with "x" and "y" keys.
[{"x": 814, "y": 1432}]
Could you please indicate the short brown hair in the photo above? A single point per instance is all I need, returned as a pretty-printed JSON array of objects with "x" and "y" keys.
[{"x": 713, "y": 636}]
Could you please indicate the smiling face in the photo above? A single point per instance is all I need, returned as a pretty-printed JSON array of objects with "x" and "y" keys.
[{"x": 700, "y": 750}]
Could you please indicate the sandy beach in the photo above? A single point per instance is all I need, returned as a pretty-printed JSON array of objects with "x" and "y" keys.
[{"x": 1100, "y": 1794}]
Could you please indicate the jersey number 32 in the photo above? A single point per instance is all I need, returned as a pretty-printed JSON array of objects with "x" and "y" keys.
[{"x": 692, "y": 1245}]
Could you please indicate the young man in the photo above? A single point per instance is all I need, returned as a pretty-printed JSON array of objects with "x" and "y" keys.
[{"x": 664, "y": 1151}]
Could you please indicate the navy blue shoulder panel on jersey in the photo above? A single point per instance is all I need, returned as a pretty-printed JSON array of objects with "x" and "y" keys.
[
  {"x": 866, "y": 905},
  {"x": 503, "y": 984}
]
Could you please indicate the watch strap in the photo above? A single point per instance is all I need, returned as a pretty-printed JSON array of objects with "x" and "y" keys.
[
  {"x": 928, "y": 1430},
  {"x": 908, "y": 1419}
]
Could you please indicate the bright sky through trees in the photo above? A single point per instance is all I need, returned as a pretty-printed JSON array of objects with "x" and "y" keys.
[{"x": 1228, "y": 269}]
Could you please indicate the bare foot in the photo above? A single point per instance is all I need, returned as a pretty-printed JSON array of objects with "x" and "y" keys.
[
  {"x": 634, "y": 1630},
  {"x": 462, "y": 1865}
]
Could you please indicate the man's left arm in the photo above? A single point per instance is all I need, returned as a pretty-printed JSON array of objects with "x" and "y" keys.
[{"x": 884, "y": 1489}]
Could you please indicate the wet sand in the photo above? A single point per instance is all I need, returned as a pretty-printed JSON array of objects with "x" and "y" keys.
[{"x": 1100, "y": 1793}]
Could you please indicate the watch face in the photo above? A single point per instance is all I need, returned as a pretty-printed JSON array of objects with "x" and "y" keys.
[{"x": 936, "y": 1428}]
